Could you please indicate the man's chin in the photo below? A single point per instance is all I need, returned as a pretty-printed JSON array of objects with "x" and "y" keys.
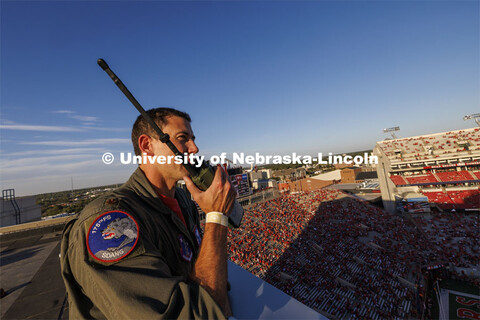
[{"x": 182, "y": 173}]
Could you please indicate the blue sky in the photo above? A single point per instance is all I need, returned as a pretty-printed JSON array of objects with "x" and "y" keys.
[{"x": 269, "y": 77}]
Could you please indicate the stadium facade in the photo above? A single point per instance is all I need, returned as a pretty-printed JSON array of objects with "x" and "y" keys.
[{"x": 436, "y": 171}]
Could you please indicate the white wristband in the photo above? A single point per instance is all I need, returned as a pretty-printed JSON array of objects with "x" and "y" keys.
[{"x": 217, "y": 217}]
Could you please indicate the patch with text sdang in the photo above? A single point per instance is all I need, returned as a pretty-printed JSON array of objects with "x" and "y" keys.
[{"x": 112, "y": 236}]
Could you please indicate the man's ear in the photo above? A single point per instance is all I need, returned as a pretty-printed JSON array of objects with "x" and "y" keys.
[{"x": 145, "y": 145}]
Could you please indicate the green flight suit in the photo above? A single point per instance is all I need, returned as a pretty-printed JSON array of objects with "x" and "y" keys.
[{"x": 148, "y": 282}]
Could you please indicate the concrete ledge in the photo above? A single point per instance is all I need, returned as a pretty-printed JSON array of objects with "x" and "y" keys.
[
  {"x": 33, "y": 225},
  {"x": 33, "y": 228}
]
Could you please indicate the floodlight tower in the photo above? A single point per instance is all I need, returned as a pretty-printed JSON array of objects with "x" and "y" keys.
[
  {"x": 392, "y": 131},
  {"x": 474, "y": 116}
]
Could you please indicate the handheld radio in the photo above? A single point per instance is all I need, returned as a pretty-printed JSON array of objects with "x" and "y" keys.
[{"x": 203, "y": 176}]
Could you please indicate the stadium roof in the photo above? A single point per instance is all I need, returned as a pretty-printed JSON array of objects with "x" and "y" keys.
[
  {"x": 344, "y": 186},
  {"x": 364, "y": 175},
  {"x": 332, "y": 175},
  {"x": 369, "y": 196}
]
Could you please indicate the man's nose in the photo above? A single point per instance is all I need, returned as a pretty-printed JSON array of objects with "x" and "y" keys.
[{"x": 192, "y": 147}]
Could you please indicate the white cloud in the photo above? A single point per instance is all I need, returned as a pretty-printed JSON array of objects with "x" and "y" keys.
[
  {"x": 54, "y": 181},
  {"x": 29, "y": 168},
  {"x": 64, "y": 111},
  {"x": 27, "y": 127},
  {"x": 11, "y": 176},
  {"x": 84, "y": 118},
  {"x": 44, "y": 164},
  {"x": 54, "y": 151},
  {"x": 89, "y": 127},
  {"x": 90, "y": 142},
  {"x": 74, "y": 115}
]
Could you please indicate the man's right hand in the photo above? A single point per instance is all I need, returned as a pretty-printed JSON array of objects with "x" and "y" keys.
[
  {"x": 210, "y": 270},
  {"x": 220, "y": 196}
]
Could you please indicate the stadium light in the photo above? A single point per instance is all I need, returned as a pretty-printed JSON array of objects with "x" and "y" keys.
[
  {"x": 474, "y": 116},
  {"x": 392, "y": 131}
]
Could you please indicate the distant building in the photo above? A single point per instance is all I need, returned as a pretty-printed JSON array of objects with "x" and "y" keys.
[
  {"x": 283, "y": 187},
  {"x": 329, "y": 176},
  {"x": 290, "y": 174},
  {"x": 349, "y": 174},
  {"x": 342, "y": 165},
  {"x": 25, "y": 209},
  {"x": 366, "y": 175},
  {"x": 260, "y": 174},
  {"x": 357, "y": 174},
  {"x": 307, "y": 184}
]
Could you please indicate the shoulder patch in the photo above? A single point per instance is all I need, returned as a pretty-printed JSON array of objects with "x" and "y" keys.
[{"x": 112, "y": 236}]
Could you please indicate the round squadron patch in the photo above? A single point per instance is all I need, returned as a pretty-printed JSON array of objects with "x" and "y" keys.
[
  {"x": 185, "y": 249},
  {"x": 197, "y": 235},
  {"x": 112, "y": 236}
]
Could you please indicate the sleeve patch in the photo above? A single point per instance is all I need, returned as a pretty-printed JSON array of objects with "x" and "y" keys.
[
  {"x": 197, "y": 235},
  {"x": 185, "y": 249},
  {"x": 112, "y": 236}
]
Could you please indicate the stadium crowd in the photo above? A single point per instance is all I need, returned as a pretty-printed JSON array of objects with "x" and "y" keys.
[
  {"x": 454, "y": 236},
  {"x": 432, "y": 146},
  {"x": 342, "y": 256}
]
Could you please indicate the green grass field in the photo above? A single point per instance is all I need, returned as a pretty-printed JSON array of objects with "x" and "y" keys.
[{"x": 459, "y": 301}]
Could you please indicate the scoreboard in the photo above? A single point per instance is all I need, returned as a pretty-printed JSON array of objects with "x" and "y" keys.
[{"x": 240, "y": 183}]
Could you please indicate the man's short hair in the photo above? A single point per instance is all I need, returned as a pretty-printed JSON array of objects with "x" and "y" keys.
[{"x": 159, "y": 115}]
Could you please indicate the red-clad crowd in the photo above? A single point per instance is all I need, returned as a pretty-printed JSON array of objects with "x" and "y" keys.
[
  {"x": 454, "y": 238},
  {"x": 340, "y": 255}
]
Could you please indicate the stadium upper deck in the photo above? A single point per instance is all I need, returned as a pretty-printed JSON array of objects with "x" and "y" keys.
[
  {"x": 444, "y": 168},
  {"x": 439, "y": 148}
]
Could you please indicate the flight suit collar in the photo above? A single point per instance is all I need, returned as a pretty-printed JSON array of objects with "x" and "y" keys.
[
  {"x": 185, "y": 211},
  {"x": 140, "y": 184}
]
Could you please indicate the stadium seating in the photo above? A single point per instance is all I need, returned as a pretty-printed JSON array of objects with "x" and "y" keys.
[
  {"x": 398, "y": 180},
  {"x": 342, "y": 256},
  {"x": 466, "y": 199},
  {"x": 454, "y": 236},
  {"x": 440, "y": 198},
  {"x": 303, "y": 258},
  {"x": 455, "y": 176},
  {"x": 421, "y": 178},
  {"x": 458, "y": 199},
  {"x": 448, "y": 176},
  {"x": 431, "y": 147},
  {"x": 477, "y": 174}
]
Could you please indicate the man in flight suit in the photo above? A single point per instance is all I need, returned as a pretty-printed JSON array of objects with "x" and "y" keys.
[{"x": 137, "y": 252}]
